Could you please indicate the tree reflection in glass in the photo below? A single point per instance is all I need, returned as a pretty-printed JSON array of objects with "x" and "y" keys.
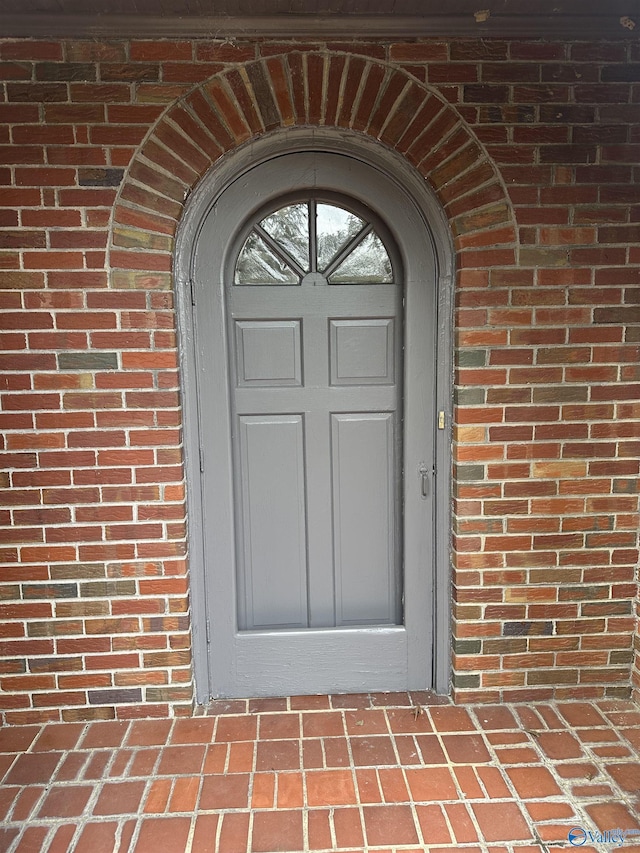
[
  {"x": 335, "y": 227},
  {"x": 368, "y": 263},
  {"x": 257, "y": 264},
  {"x": 289, "y": 227}
]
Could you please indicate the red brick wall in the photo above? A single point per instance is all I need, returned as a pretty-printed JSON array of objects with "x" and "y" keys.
[{"x": 532, "y": 149}]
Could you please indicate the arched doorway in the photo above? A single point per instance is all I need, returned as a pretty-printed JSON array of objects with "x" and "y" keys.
[{"x": 316, "y": 393}]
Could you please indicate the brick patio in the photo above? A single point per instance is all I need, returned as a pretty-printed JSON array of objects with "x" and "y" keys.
[{"x": 350, "y": 773}]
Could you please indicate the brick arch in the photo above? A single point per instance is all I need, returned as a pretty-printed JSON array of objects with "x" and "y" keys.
[
  {"x": 327, "y": 89},
  {"x": 306, "y": 89}
]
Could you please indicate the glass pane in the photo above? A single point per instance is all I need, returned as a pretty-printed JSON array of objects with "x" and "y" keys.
[
  {"x": 335, "y": 227},
  {"x": 258, "y": 265},
  {"x": 369, "y": 263},
  {"x": 289, "y": 226}
]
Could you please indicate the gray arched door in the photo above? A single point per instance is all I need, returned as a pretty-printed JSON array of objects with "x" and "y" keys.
[{"x": 315, "y": 340}]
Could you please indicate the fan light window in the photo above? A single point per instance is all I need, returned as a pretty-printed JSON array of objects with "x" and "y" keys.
[{"x": 313, "y": 238}]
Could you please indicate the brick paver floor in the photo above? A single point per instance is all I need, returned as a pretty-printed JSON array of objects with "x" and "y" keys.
[{"x": 344, "y": 773}]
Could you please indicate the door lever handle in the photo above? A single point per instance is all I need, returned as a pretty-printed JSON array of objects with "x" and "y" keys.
[{"x": 424, "y": 480}]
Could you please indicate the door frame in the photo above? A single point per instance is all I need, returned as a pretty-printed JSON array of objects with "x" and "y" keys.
[{"x": 394, "y": 167}]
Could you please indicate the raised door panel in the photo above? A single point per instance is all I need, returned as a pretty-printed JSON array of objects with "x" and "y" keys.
[
  {"x": 365, "y": 500},
  {"x": 272, "y": 569},
  {"x": 362, "y": 352},
  {"x": 268, "y": 353}
]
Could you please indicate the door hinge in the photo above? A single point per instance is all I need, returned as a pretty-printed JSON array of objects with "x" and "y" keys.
[
  {"x": 201, "y": 455},
  {"x": 441, "y": 420},
  {"x": 192, "y": 291},
  {"x": 208, "y": 627}
]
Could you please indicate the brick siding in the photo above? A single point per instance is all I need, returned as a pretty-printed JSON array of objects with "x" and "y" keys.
[{"x": 533, "y": 150}]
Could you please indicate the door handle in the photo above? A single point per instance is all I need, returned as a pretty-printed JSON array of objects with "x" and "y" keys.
[{"x": 424, "y": 480}]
